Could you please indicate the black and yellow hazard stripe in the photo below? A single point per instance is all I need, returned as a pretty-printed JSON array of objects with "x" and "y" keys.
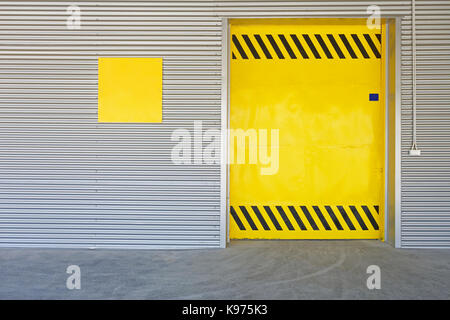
[
  {"x": 306, "y": 218},
  {"x": 293, "y": 46}
]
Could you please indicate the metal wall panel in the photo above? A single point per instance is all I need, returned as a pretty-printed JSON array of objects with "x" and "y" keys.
[
  {"x": 426, "y": 179},
  {"x": 68, "y": 181}
]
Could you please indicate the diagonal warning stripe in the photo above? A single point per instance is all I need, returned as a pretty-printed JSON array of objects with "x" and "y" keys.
[
  {"x": 250, "y": 46},
  {"x": 275, "y": 46},
  {"x": 309, "y": 217},
  {"x": 324, "y": 46},
  {"x": 359, "y": 218},
  {"x": 321, "y": 218},
  {"x": 372, "y": 45},
  {"x": 370, "y": 217},
  {"x": 272, "y": 217},
  {"x": 335, "y": 46},
  {"x": 334, "y": 218},
  {"x": 348, "y": 46},
  {"x": 258, "y": 47},
  {"x": 285, "y": 218},
  {"x": 311, "y": 45},
  {"x": 260, "y": 218},
  {"x": 263, "y": 46},
  {"x": 346, "y": 218},
  {"x": 236, "y": 219},
  {"x": 287, "y": 46},
  {"x": 239, "y": 47},
  {"x": 248, "y": 217},
  {"x": 299, "y": 46},
  {"x": 379, "y": 37},
  {"x": 297, "y": 218},
  {"x": 360, "y": 46}
]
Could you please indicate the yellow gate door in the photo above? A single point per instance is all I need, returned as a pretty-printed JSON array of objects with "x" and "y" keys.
[{"x": 307, "y": 122}]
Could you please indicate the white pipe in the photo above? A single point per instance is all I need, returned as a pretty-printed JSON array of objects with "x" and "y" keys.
[
  {"x": 414, "y": 84},
  {"x": 414, "y": 151}
]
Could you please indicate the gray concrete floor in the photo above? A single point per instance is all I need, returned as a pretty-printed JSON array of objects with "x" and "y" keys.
[{"x": 245, "y": 270}]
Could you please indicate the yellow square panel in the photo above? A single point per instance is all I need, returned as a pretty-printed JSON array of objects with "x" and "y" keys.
[{"x": 130, "y": 90}]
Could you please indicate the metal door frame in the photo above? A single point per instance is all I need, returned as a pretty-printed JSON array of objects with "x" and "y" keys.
[{"x": 391, "y": 22}]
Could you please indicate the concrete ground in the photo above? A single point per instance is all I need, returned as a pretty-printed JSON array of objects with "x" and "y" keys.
[{"x": 245, "y": 270}]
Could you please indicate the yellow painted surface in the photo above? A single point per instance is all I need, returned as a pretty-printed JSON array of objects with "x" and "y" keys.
[
  {"x": 130, "y": 90},
  {"x": 331, "y": 150}
]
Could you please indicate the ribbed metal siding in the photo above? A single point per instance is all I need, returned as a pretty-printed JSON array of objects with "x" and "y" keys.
[
  {"x": 426, "y": 179},
  {"x": 68, "y": 181}
]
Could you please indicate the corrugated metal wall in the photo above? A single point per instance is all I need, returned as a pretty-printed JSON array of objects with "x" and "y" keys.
[
  {"x": 67, "y": 181},
  {"x": 426, "y": 179}
]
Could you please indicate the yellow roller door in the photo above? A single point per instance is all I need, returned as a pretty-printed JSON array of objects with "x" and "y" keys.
[{"x": 319, "y": 83}]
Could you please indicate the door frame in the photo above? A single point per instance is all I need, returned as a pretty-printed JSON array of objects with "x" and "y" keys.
[{"x": 392, "y": 205}]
